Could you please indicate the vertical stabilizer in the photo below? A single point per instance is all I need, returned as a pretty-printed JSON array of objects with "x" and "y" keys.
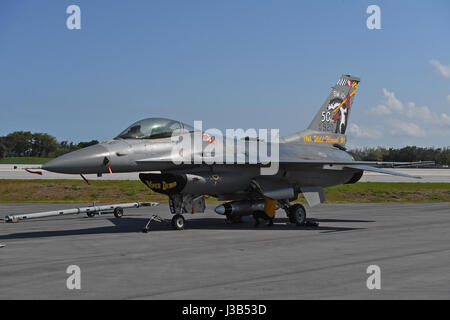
[
  {"x": 333, "y": 115},
  {"x": 330, "y": 122}
]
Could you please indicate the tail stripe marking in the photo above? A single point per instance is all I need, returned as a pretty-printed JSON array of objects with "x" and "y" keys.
[{"x": 342, "y": 103}]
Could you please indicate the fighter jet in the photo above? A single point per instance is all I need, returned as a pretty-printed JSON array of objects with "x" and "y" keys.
[{"x": 306, "y": 162}]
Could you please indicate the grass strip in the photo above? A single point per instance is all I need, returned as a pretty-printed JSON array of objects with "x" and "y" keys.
[{"x": 77, "y": 191}]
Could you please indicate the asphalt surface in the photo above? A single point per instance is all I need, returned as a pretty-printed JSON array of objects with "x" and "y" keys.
[
  {"x": 214, "y": 260},
  {"x": 8, "y": 171}
]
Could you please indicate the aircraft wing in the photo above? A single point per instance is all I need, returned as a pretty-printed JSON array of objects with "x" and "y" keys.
[
  {"x": 381, "y": 170},
  {"x": 298, "y": 162},
  {"x": 344, "y": 162},
  {"x": 292, "y": 162},
  {"x": 373, "y": 166}
]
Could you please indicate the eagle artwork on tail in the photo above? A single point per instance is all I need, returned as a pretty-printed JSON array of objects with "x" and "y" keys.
[{"x": 340, "y": 110}]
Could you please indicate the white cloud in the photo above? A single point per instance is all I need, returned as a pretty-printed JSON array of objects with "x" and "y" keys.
[
  {"x": 440, "y": 133},
  {"x": 443, "y": 70},
  {"x": 390, "y": 104},
  {"x": 420, "y": 113},
  {"x": 381, "y": 110},
  {"x": 364, "y": 132},
  {"x": 396, "y": 108},
  {"x": 394, "y": 118},
  {"x": 445, "y": 119},
  {"x": 409, "y": 129}
]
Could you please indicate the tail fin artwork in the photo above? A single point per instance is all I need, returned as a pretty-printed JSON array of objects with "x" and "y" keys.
[
  {"x": 330, "y": 122},
  {"x": 333, "y": 115}
]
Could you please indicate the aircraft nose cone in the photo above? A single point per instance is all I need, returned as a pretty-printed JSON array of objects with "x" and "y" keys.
[{"x": 86, "y": 160}]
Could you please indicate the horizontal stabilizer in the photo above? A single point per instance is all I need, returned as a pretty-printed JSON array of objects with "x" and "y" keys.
[{"x": 380, "y": 170}]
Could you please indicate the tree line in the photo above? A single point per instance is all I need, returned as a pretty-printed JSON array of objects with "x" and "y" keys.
[
  {"x": 440, "y": 156},
  {"x": 27, "y": 144}
]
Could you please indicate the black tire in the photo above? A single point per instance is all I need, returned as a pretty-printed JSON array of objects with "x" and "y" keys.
[
  {"x": 90, "y": 214},
  {"x": 178, "y": 222},
  {"x": 118, "y": 212},
  {"x": 291, "y": 218},
  {"x": 297, "y": 214}
]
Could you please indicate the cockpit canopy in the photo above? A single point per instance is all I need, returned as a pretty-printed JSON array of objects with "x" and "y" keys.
[{"x": 155, "y": 128}]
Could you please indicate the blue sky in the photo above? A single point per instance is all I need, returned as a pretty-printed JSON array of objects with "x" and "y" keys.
[{"x": 232, "y": 64}]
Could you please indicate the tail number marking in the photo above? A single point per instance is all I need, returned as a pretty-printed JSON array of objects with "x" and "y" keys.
[{"x": 326, "y": 116}]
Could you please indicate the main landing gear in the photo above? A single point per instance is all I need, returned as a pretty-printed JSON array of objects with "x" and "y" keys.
[
  {"x": 295, "y": 212},
  {"x": 297, "y": 215}
]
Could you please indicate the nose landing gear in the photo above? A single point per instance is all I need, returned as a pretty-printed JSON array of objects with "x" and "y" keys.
[{"x": 178, "y": 222}]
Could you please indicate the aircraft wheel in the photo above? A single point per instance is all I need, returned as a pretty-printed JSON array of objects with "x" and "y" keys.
[
  {"x": 291, "y": 218},
  {"x": 178, "y": 222},
  {"x": 118, "y": 212},
  {"x": 90, "y": 214},
  {"x": 297, "y": 214}
]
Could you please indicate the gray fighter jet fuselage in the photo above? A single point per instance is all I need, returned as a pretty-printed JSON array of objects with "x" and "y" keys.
[{"x": 305, "y": 162}]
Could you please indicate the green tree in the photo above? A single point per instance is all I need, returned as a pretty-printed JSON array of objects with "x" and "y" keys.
[
  {"x": 87, "y": 144},
  {"x": 43, "y": 144},
  {"x": 62, "y": 148},
  {"x": 19, "y": 143},
  {"x": 3, "y": 150}
]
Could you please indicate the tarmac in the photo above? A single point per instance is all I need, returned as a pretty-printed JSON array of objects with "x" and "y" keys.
[
  {"x": 214, "y": 260},
  {"x": 16, "y": 171}
]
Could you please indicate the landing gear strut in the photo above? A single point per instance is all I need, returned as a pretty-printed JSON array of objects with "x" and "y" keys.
[{"x": 177, "y": 222}]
